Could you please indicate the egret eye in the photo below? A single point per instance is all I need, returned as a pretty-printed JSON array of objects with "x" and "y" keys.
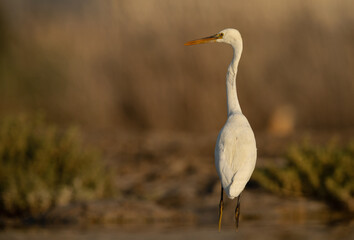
[{"x": 221, "y": 34}]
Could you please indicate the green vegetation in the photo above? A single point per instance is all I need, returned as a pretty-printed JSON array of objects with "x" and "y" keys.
[
  {"x": 42, "y": 167},
  {"x": 322, "y": 172}
]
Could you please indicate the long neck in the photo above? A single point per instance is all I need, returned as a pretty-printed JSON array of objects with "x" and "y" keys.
[{"x": 233, "y": 105}]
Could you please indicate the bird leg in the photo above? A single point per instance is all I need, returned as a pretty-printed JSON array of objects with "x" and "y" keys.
[
  {"x": 221, "y": 207},
  {"x": 237, "y": 212}
]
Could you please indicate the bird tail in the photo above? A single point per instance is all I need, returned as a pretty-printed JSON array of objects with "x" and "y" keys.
[{"x": 239, "y": 182}]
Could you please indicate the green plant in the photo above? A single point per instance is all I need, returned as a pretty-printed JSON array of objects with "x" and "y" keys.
[
  {"x": 322, "y": 172},
  {"x": 42, "y": 167}
]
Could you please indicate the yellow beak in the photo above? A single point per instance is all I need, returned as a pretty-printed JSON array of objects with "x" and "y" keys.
[{"x": 204, "y": 40}]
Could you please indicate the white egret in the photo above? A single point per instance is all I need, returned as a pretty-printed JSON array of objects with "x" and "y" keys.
[{"x": 235, "y": 150}]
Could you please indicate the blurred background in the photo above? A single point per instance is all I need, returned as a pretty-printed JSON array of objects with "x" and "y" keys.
[{"x": 118, "y": 71}]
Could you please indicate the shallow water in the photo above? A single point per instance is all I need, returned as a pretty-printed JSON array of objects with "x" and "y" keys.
[
  {"x": 265, "y": 216},
  {"x": 252, "y": 229}
]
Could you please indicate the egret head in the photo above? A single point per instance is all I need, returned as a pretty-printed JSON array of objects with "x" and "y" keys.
[{"x": 228, "y": 35}]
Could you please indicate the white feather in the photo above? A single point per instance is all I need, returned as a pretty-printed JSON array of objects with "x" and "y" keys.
[
  {"x": 235, "y": 154},
  {"x": 235, "y": 150}
]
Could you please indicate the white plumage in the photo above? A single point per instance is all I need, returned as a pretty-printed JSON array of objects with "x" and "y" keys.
[
  {"x": 235, "y": 154},
  {"x": 235, "y": 150}
]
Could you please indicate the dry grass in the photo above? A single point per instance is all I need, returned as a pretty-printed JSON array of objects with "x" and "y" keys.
[
  {"x": 42, "y": 168},
  {"x": 112, "y": 66},
  {"x": 321, "y": 172},
  {"x": 123, "y": 63}
]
